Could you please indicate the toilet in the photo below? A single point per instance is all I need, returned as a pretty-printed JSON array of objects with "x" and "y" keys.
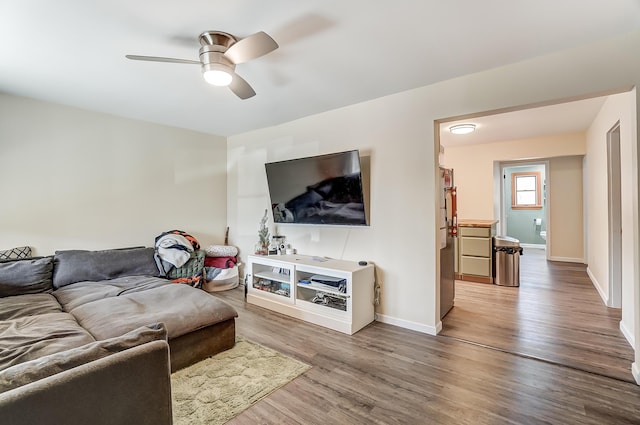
[{"x": 543, "y": 234}]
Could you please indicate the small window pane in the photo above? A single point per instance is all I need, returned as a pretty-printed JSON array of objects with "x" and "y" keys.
[
  {"x": 526, "y": 183},
  {"x": 526, "y": 198}
]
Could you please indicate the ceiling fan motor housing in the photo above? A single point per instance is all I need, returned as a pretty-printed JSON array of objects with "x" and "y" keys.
[
  {"x": 217, "y": 38},
  {"x": 214, "y": 44}
]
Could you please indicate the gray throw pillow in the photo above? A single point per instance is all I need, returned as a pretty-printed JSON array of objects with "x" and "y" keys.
[
  {"x": 78, "y": 266},
  {"x": 31, "y": 371},
  {"x": 21, "y": 277}
]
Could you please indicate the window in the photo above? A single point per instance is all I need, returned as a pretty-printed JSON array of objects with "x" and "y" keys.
[{"x": 525, "y": 191}]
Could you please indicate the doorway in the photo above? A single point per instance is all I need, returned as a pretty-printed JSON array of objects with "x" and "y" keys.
[
  {"x": 524, "y": 207},
  {"x": 476, "y": 305},
  {"x": 615, "y": 216}
]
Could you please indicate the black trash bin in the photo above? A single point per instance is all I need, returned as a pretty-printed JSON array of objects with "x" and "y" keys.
[{"x": 506, "y": 261}]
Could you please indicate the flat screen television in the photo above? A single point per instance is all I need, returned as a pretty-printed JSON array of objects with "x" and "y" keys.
[{"x": 323, "y": 189}]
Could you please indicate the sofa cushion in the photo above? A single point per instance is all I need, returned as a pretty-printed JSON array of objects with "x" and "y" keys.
[
  {"x": 32, "y": 337},
  {"x": 33, "y": 326},
  {"x": 79, "y": 293},
  {"x": 28, "y": 305},
  {"x": 78, "y": 265},
  {"x": 31, "y": 371},
  {"x": 25, "y": 276},
  {"x": 181, "y": 308}
]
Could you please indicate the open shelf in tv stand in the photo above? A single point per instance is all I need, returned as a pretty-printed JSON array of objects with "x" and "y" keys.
[{"x": 274, "y": 283}]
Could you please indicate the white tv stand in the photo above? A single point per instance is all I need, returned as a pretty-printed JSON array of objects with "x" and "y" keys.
[{"x": 289, "y": 284}]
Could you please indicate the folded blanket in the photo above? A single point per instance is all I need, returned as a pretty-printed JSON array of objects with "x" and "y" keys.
[{"x": 220, "y": 262}]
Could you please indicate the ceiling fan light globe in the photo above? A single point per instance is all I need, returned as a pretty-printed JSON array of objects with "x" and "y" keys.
[{"x": 217, "y": 77}]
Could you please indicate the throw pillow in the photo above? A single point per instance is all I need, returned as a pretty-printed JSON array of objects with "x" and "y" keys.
[
  {"x": 221, "y": 251},
  {"x": 25, "y": 276},
  {"x": 31, "y": 371},
  {"x": 16, "y": 253}
]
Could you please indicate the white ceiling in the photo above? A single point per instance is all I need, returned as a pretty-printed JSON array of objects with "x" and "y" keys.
[
  {"x": 332, "y": 52},
  {"x": 570, "y": 117}
]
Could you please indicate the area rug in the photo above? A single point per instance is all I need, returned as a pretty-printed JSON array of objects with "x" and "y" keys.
[{"x": 219, "y": 388}]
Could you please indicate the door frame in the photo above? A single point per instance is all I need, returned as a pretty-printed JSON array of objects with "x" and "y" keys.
[
  {"x": 500, "y": 208},
  {"x": 614, "y": 194}
]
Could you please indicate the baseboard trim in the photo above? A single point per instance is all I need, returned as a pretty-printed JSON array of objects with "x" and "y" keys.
[
  {"x": 594, "y": 282},
  {"x": 407, "y": 324},
  {"x": 628, "y": 335},
  {"x": 635, "y": 372},
  {"x": 567, "y": 259}
]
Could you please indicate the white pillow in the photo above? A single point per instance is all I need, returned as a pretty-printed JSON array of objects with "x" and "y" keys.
[{"x": 221, "y": 251}]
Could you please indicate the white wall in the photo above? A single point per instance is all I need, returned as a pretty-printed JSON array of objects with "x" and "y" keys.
[
  {"x": 396, "y": 151},
  {"x": 73, "y": 179},
  {"x": 397, "y": 132},
  {"x": 475, "y": 175},
  {"x": 474, "y": 167},
  {"x": 620, "y": 108},
  {"x": 565, "y": 234}
]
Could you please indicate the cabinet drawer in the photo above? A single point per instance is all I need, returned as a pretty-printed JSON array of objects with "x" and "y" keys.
[
  {"x": 480, "y": 232},
  {"x": 477, "y": 247},
  {"x": 475, "y": 265}
]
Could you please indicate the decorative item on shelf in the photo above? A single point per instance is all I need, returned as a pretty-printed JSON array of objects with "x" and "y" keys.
[
  {"x": 262, "y": 247},
  {"x": 278, "y": 244}
]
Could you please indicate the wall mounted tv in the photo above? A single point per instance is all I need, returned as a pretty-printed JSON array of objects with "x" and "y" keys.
[{"x": 324, "y": 189}]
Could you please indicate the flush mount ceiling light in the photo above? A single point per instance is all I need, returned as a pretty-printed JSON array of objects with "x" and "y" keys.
[{"x": 462, "y": 128}]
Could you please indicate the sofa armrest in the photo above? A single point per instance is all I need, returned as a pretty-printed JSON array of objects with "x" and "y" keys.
[{"x": 129, "y": 387}]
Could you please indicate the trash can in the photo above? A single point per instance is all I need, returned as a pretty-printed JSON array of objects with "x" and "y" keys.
[{"x": 506, "y": 261}]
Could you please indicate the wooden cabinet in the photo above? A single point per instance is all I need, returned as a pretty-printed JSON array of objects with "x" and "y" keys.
[
  {"x": 475, "y": 250},
  {"x": 332, "y": 293}
]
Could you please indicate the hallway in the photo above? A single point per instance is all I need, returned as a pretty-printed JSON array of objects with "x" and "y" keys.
[{"x": 556, "y": 315}]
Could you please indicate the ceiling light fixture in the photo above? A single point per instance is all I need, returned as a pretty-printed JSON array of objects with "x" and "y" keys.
[{"x": 462, "y": 128}]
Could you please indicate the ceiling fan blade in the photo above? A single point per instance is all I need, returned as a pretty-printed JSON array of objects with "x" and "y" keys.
[
  {"x": 251, "y": 47},
  {"x": 160, "y": 59},
  {"x": 241, "y": 88}
]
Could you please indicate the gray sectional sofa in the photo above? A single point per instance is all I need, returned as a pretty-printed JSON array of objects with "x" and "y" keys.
[{"x": 92, "y": 337}]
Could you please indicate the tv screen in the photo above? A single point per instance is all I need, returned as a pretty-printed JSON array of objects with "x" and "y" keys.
[{"x": 324, "y": 189}]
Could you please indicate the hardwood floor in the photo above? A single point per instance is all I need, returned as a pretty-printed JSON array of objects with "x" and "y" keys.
[
  {"x": 389, "y": 375},
  {"x": 555, "y": 315}
]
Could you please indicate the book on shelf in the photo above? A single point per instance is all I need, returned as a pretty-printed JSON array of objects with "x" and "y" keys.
[{"x": 280, "y": 270}]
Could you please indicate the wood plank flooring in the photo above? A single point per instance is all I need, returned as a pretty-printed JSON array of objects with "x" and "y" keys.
[
  {"x": 388, "y": 375},
  {"x": 556, "y": 315}
]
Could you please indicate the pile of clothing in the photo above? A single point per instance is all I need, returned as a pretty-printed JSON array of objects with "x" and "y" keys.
[
  {"x": 179, "y": 257},
  {"x": 213, "y": 269},
  {"x": 221, "y": 268}
]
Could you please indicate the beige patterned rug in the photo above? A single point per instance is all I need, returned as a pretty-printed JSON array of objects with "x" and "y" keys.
[{"x": 217, "y": 389}]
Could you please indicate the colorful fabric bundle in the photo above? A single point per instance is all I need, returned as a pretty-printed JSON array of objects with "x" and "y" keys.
[
  {"x": 220, "y": 267},
  {"x": 180, "y": 257},
  {"x": 220, "y": 262}
]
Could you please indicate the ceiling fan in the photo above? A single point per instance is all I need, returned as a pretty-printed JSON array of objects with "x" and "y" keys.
[{"x": 219, "y": 55}]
